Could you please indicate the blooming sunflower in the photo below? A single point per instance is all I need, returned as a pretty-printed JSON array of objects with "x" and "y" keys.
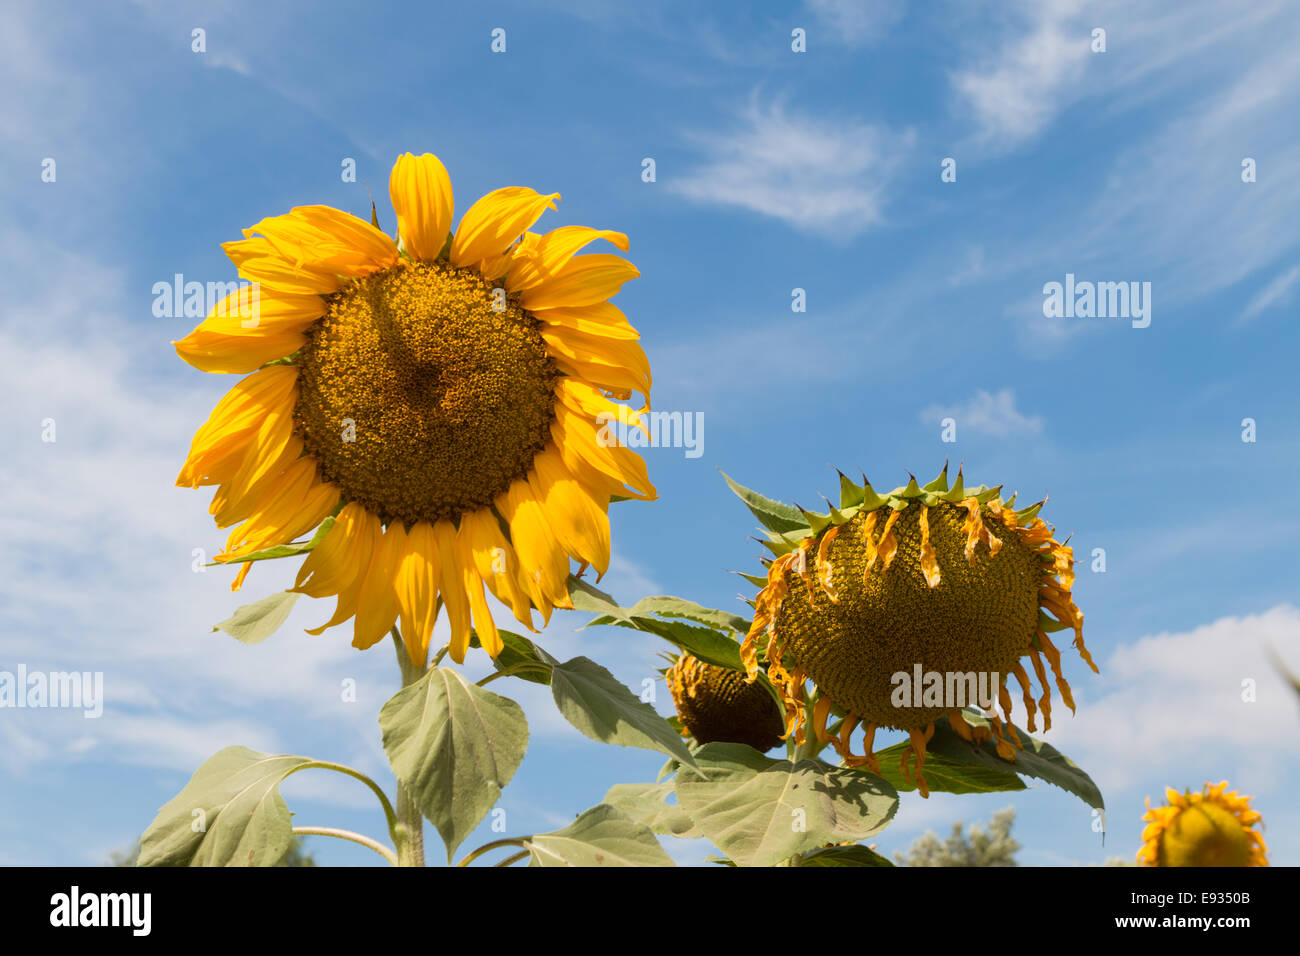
[
  {"x": 718, "y": 704},
  {"x": 952, "y": 579},
  {"x": 438, "y": 397},
  {"x": 1210, "y": 828}
]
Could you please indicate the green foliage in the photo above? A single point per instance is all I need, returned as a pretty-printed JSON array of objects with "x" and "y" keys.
[
  {"x": 229, "y": 814},
  {"x": 255, "y": 622},
  {"x": 603, "y": 836},
  {"x": 454, "y": 746},
  {"x": 991, "y": 847}
]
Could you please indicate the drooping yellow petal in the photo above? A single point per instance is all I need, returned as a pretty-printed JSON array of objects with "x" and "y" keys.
[
  {"x": 220, "y": 443},
  {"x": 422, "y": 198},
  {"x": 366, "y": 539},
  {"x": 332, "y": 566},
  {"x": 417, "y": 591},
  {"x": 543, "y": 259},
  {"x": 496, "y": 562},
  {"x": 455, "y": 597},
  {"x": 584, "y": 280},
  {"x": 495, "y": 221},
  {"x": 289, "y": 505},
  {"x": 377, "y": 606},
  {"x": 544, "y": 564},
  {"x": 480, "y": 613},
  {"x": 576, "y": 438},
  {"x": 577, "y": 520}
]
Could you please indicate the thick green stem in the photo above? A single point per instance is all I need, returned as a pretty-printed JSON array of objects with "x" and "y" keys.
[
  {"x": 408, "y": 834},
  {"x": 364, "y": 840}
]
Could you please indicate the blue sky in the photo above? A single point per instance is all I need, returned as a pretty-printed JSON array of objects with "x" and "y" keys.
[{"x": 775, "y": 171}]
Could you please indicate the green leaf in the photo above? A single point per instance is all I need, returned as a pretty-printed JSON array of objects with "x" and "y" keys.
[
  {"x": 229, "y": 814},
  {"x": 587, "y": 597},
  {"x": 645, "y": 803},
  {"x": 774, "y": 515},
  {"x": 761, "y": 811},
  {"x": 854, "y": 855},
  {"x": 1037, "y": 759},
  {"x": 668, "y": 606},
  {"x": 521, "y": 655},
  {"x": 255, "y": 622},
  {"x": 454, "y": 746},
  {"x": 946, "y": 775},
  {"x": 603, "y": 836},
  {"x": 593, "y": 700},
  {"x": 282, "y": 550}
]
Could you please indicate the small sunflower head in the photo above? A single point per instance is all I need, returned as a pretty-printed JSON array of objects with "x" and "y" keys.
[
  {"x": 1212, "y": 828},
  {"x": 926, "y": 580},
  {"x": 718, "y": 704}
]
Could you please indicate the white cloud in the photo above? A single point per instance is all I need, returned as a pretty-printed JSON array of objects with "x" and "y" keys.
[
  {"x": 1171, "y": 705},
  {"x": 821, "y": 176},
  {"x": 1280, "y": 290},
  {"x": 986, "y": 414},
  {"x": 857, "y": 22}
]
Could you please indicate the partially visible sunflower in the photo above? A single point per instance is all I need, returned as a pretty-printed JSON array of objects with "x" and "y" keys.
[
  {"x": 439, "y": 396},
  {"x": 718, "y": 704},
  {"x": 954, "y": 580},
  {"x": 1210, "y": 828}
]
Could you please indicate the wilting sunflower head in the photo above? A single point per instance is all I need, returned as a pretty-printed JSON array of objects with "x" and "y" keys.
[
  {"x": 718, "y": 704},
  {"x": 1210, "y": 828},
  {"x": 925, "y": 580},
  {"x": 433, "y": 404}
]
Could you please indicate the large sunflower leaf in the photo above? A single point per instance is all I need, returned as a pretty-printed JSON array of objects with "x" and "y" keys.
[
  {"x": 231, "y": 813},
  {"x": 594, "y": 701},
  {"x": 761, "y": 812},
  {"x": 1037, "y": 759},
  {"x": 668, "y": 606},
  {"x": 853, "y": 855},
  {"x": 253, "y": 623},
  {"x": 645, "y": 803},
  {"x": 773, "y": 515},
  {"x": 603, "y": 836},
  {"x": 946, "y": 775},
  {"x": 519, "y": 655},
  {"x": 454, "y": 746}
]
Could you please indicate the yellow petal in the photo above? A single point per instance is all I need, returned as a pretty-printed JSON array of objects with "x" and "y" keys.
[
  {"x": 584, "y": 280},
  {"x": 603, "y": 319},
  {"x": 421, "y": 193},
  {"x": 454, "y": 595},
  {"x": 472, "y": 583},
  {"x": 543, "y": 563},
  {"x": 417, "y": 591},
  {"x": 276, "y": 274},
  {"x": 331, "y": 566},
  {"x": 578, "y": 522},
  {"x": 377, "y": 606},
  {"x": 326, "y": 241},
  {"x": 220, "y": 443},
  {"x": 247, "y": 329},
  {"x": 496, "y": 561},
  {"x": 290, "y": 505},
  {"x": 495, "y": 221},
  {"x": 625, "y": 354},
  {"x": 540, "y": 260},
  {"x": 576, "y": 438},
  {"x": 366, "y": 541}
]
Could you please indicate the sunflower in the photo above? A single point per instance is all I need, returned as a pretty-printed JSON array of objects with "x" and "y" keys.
[
  {"x": 436, "y": 400},
  {"x": 717, "y": 704},
  {"x": 1210, "y": 828},
  {"x": 942, "y": 579}
]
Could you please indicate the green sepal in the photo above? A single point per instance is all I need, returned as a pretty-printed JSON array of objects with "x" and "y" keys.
[
  {"x": 850, "y": 494},
  {"x": 940, "y": 483},
  {"x": 758, "y": 580}
]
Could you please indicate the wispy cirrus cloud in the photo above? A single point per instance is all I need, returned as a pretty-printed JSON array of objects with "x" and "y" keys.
[
  {"x": 986, "y": 413},
  {"x": 820, "y": 175}
]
